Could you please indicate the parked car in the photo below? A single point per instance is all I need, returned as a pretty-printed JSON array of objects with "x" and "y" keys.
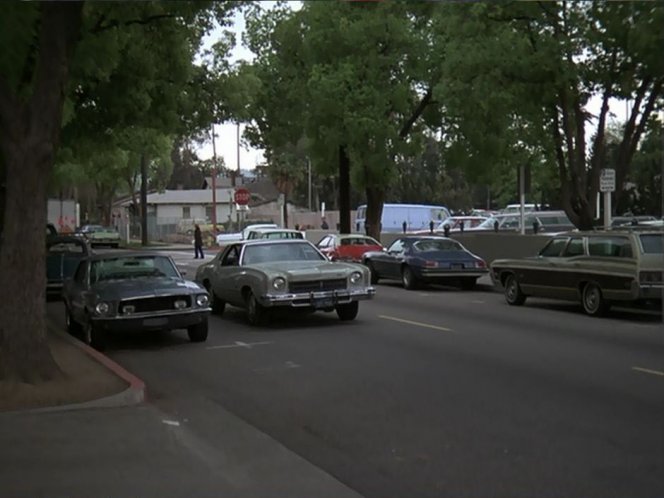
[
  {"x": 274, "y": 233},
  {"x": 595, "y": 268},
  {"x": 133, "y": 292},
  {"x": 258, "y": 275},
  {"x": 348, "y": 247},
  {"x": 620, "y": 221},
  {"x": 547, "y": 222},
  {"x": 98, "y": 235},
  {"x": 426, "y": 259},
  {"x": 227, "y": 238},
  {"x": 63, "y": 254},
  {"x": 454, "y": 222}
]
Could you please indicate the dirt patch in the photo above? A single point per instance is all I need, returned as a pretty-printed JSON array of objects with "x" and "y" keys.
[{"x": 85, "y": 380}]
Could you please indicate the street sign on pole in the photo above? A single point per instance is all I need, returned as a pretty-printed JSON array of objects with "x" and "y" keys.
[
  {"x": 242, "y": 196},
  {"x": 607, "y": 180}
]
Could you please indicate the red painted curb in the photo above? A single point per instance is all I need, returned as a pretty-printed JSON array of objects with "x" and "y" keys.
[
  {"x": 133, "y": 381},
  {"x": 136, "y": 385}
]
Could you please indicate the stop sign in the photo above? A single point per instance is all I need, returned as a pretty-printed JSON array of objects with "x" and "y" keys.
[{"x": 242, "y": 196}]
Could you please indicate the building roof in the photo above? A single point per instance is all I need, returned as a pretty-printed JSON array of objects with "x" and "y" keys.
[{"x": 196, "y": 196}]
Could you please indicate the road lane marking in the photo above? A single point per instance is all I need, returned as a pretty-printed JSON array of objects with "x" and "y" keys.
[
  {"x": 477, "y": 301},
  {"x": 289, "y": 365},
  {"x": 174, "y": 423},
  {"x": 419, "y": 324},
  {"x": 240, "y": 344},
  {"x": 649, "y": 371}
]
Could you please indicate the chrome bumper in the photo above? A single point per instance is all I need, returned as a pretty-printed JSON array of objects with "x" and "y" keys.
[{"x": 318, "y": 300}]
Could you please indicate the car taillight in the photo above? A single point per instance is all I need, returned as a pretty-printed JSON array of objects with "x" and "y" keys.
[
  {"x": 480, "y": 263},
  {"x": 431, "y": 264}
]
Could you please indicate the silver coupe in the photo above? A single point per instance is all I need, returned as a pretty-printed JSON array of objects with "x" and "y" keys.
[{"x": 260, "y": 275}]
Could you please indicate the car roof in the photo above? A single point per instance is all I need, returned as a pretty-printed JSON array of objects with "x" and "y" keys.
[
  {"x": 125, "y": 254},
  {"x": 270, "y": 241},
  {"x": 614, "y": 231},
  {"x": 61, "y": 239},
  {"x": 273, "y": 229}
]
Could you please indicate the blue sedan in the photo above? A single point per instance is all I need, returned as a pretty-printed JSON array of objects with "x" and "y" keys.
[{"x": 417, "y": 260}]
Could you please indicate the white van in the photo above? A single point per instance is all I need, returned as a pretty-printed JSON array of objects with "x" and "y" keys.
[{"x": 416, "y": 216}]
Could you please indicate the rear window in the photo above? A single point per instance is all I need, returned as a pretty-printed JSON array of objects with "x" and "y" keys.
[
  {"x": 612, "y": 247},
  {"x": 358, "y": 241},
  {"x": 652, "y": 243}
]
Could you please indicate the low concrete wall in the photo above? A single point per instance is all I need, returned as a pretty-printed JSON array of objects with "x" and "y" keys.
[{"x": 487, "y": 245}]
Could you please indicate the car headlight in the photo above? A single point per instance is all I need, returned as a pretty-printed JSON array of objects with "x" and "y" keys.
[
  {"x": 102, "y": 308},
  {"x": 202, "y": 300},
  {"x": 279, "y": 283},
  {"x": 355, "y": 277}
]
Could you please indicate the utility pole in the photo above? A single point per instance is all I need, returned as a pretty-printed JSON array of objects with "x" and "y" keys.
[
  {"x": 237, "y": 139},
  {"x": 214, "y": 183},
  {"x": 309, "y": 174}
]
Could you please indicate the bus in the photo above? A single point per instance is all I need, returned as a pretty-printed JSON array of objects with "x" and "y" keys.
[{"x": 416, "y": 216}]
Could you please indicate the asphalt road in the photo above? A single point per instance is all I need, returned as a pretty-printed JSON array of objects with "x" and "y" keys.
[{"x": 432, "y": 393}]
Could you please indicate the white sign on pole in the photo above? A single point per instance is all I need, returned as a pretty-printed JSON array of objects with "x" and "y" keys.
[{"x": 607, "y": 180}]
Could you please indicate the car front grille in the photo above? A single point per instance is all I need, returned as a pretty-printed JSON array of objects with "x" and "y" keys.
[
  {"x": 317, "y": 285},
  {"x": 148, "y": 304}
]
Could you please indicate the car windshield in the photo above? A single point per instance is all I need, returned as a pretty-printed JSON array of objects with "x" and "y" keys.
[
  {"x": 652, "y": 243},
  {"x": 437, "y": 245},
  {"x": 269, "y": 253},
  {"x": 126, "y": 267},
  {"x": 488, "y": 223}
]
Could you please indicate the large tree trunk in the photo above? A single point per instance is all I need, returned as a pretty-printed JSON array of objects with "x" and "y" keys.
[
  {"x": 344, "y": 190},
  {"x": 29, "y": 133},
  {"x": 375, "y": 200}
]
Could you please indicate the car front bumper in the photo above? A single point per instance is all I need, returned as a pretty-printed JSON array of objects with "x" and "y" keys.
[
  {"x": 152, "y": 321},
  {"x": 651, "y": 291},
  {"x": 318, "y": 300}
]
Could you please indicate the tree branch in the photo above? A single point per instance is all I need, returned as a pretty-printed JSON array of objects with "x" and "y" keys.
[
  {"x": 408, "y": 125},
  {"x": 98, "y": 28}
]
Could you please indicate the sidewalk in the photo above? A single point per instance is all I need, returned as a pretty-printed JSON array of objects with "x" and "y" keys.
[{"x": 92, "y": 434}]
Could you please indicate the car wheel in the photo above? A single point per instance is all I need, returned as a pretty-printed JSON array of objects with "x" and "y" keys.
[
  {"x": 256, "y": 312},
  {"x": 347, "y": 312},
  {"x": 73, "y": 327},
  {"x": 408, "y": 278},
  {"x": 513, "y": 293},
  {"x": 198, "y": 332},
  {"x": 468, "y": 283},
  {"x": 218, "y": 305},
  {"x": 593, "y": 302},
  {"x": 373, "y": 273},
  {"x": 94, "y": 337}
]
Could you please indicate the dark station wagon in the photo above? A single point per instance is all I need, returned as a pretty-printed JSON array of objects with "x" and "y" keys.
[{"x": 595, "y": 268}]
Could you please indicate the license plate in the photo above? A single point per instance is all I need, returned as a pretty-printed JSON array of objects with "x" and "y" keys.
[
  {"x": 155, "y": 322},
  {"x": 324, "y": 303},
  {"x": 457, "y": 266}
]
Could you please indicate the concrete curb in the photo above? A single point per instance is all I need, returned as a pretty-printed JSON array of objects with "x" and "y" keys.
[{"x": 133, "y": 395}]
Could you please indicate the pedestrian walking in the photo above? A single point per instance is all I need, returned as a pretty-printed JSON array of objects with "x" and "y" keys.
[
  {"x": 404, "y": 225},
  {"x": 198, "y": 242},
  {"x": 324, "y": 225}
]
